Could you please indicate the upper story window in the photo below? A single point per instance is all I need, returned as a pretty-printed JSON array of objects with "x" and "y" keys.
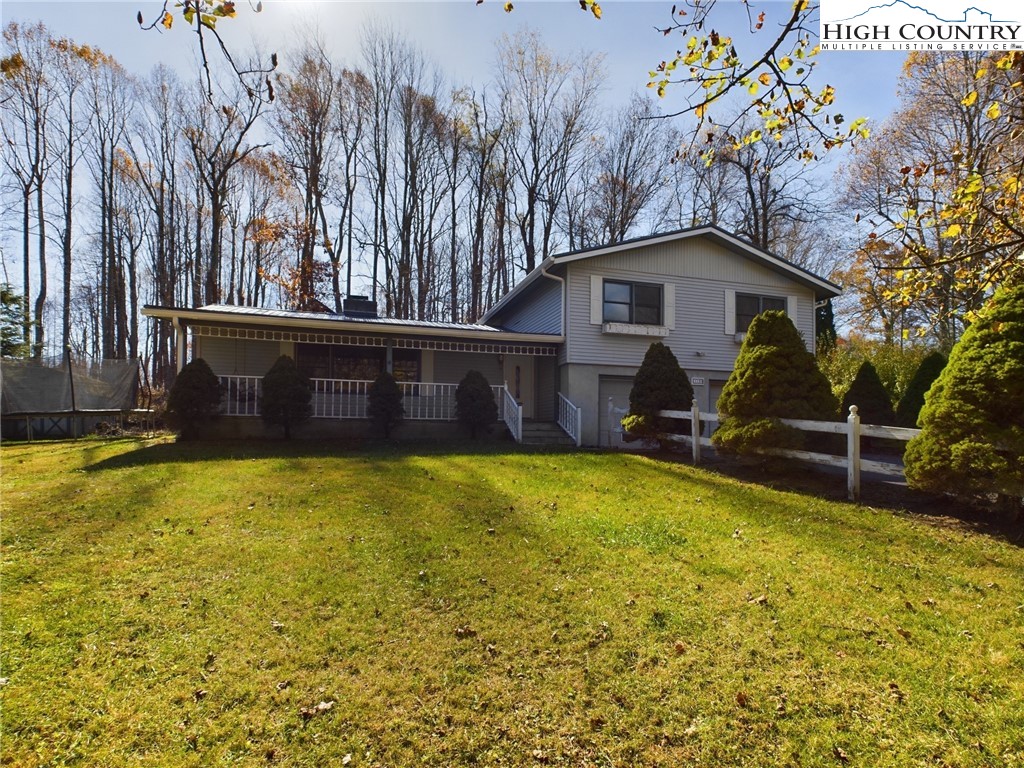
[
  {"x": 638, "y": 303},
  {"x": 749, "y": 306}
]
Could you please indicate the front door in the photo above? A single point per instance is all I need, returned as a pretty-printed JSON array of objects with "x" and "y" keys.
[{"x": 520, "y": 381}]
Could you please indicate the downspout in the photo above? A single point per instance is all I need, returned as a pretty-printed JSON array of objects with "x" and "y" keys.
[
  {"x": 561, "y": 332},
  {"x": 564, "y": 308}
]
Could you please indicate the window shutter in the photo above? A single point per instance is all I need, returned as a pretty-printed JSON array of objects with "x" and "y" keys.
[
  {"x": 596, "y": 300},
  {"x": 730, "y": 313},
  {"x": 669, "y": 306},
  {"x": 791, "y": 304}
]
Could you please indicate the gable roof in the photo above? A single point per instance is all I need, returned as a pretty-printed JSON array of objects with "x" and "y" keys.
[{"x": 823, "y": 289}]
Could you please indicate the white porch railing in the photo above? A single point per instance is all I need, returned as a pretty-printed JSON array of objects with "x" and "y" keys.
[
  {"x": 240, "y": 395},
  {"x": 339, "y": 398},
  {"x": 512, "y": 414},
  {"x": 346, "y": 398},
  {"x": 570, "y": 419}
]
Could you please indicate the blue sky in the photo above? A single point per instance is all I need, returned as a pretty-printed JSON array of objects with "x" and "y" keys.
[{"x": 460, "y": 37}]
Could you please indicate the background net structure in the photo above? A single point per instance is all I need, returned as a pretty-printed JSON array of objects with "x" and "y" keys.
[{"x": 56, "y": 387}]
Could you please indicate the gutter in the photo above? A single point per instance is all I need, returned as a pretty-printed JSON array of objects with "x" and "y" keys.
[{"x": 194, "y": 316}]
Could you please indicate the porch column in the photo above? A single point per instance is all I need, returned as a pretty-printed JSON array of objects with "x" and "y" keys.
[
  {"x": 389, "y": 364},
  {"x": 180, "y": 348}
]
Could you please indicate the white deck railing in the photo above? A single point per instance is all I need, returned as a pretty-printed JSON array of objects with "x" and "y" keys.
[
  {"x": 346, "y": 398},
  {"x": 512, "y": 414},
  {"x": 570, "y": 419},
  {"x": 339, "y": 398},
  {"x": 240, "y": 395}
]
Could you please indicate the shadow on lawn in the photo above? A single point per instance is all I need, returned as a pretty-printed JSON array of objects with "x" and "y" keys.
[
  {"x": 149, "y": 454},
  {"x": 783, "y": 476},
  {"x": 793, "y": 477}
]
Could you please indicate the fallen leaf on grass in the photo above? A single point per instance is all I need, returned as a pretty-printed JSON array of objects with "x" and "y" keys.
[
  {"x": 199, "y": 694},
  {"x": 742, "y": 699},
  {"x": 903, "y": 633},
  {"x": 603, "y": 634},
  {"x": 840, "y": 755},
  {"x": 464, "y": 632},
  {"x": 308, "y": 713},
  {"x": 283, "y": 684},
  {"x": 759, "y": 600},
  {"x": 276, "y": 625},
  {"x": 680, "y": 647}
]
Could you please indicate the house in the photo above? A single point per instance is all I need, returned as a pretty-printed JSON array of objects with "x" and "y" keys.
[{"x": 562, "y": 346}]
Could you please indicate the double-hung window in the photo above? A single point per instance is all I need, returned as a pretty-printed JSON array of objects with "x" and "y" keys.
[
  {"x": 749, "y": 306},
  {"x": 637, "y": 303}
]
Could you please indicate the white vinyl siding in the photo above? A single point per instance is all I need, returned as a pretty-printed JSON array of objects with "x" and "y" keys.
[
  {"x": 700, "y": 280},
  {"x": 238, "y": 357},
  {"x": 540, "y": 313}
]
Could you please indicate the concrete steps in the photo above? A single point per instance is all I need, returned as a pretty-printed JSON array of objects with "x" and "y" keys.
[{"x": 545, "y": 433}]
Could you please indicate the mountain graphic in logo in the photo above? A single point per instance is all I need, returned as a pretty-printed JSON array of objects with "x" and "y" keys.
[{"x": 903, "y": 6}]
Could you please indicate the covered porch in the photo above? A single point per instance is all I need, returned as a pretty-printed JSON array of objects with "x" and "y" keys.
[{"x": 343, "y": 355}]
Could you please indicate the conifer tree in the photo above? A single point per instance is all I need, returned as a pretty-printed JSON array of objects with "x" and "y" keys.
[
  {"x": 775, "y": 378},
  {"x": 384, "y": 403},
  {"x": 910, "y": 404},
  {"x": 194, "y": 399},
  {"x": 286, "y": 396},
  {"x": 474, "y": 403},
  {"x": 972, "y": 423},
  {"x": 870, "y": 396},
  {"x": 659, "y": 385}
]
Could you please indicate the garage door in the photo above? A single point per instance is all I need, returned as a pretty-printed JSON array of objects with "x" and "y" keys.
[{"x": 613, "y": 397}]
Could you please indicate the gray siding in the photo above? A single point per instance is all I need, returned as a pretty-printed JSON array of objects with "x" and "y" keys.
[
  {"x": 703, "y": 274},
  {"x": 451, "y": 367},
  {"x": 540, "y": 314},
  {"x": 238, "y": 357}
]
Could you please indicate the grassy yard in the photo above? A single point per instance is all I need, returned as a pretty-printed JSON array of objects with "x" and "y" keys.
[{"x": 309, "y": 605}]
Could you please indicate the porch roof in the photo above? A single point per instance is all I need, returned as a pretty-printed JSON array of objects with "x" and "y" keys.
[{"x": 312, "y": 321}]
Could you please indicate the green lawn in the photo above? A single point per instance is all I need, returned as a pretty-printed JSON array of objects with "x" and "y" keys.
[{"x": 168, "y": 605}]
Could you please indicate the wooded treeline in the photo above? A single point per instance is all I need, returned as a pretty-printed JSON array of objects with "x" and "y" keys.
[{"x": 378, "y": 174}]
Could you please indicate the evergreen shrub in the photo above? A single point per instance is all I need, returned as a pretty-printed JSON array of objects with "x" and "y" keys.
[
  {"x": 775, "y": 377},
  {"x": 475, "y": 408},
  {"x": 870, "y": 396},
  {"x": 384, "y": 403},
  {"x": 910, "y": 404},
  {"x": 194, "y": 399},
  {"x": 972, "y": 422},
  {"x": 286, "y": 397},
  {"x": 660, "y": 384}
]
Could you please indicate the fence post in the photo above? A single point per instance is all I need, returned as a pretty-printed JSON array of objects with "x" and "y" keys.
[
  {"x": 695, "y": 430},
  {"x": 853, "y": 455}
]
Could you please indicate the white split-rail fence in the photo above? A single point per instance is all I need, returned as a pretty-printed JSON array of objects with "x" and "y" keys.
[{"x": 852, "y": 428}]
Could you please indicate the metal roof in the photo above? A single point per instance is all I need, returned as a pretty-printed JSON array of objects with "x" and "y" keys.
[
  {"x": 383, "y": 322},
  {"x": 232, "y": 314}
]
